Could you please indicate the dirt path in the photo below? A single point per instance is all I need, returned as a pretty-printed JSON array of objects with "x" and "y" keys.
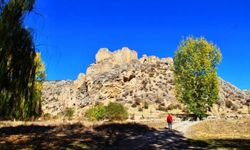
[
  {"x": 161, "y": 139},
  {"x": 183, "y": 126}
]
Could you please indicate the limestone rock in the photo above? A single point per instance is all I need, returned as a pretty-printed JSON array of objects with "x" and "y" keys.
[
  {"x": 149, "y": 59},
  {"x": 106, "y": 60},
  {"x": 168, "y": 60},
  {"x": 102, "y": 54},
  {"x": 80, "y": 80},
  {"x": 101, "y": 67},
  {"x": 56, "y": 96},
  {"x": 120, "y": 76},
  {"x": 125, "y": 55},
  {"x": 232, "y": 94}
]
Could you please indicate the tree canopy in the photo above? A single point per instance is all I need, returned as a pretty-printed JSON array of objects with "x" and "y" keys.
[
  {"x": 17, "y": 62},
  {"x": 195, "y": 70}
]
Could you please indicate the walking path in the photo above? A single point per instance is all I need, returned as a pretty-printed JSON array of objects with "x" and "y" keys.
[
  {"x": 183, "y": 126},
  {"x": 161, "y": 139}
]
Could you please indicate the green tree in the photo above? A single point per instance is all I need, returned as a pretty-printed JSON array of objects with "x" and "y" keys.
[
  {"x": 17, "y": 62},
  {"x": 195, "y": 68}
]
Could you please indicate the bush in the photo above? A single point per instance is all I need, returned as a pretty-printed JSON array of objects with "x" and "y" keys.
[
  {"x": 96, "y": 113},
  {"x": 134, "y": 105},
  {"x": 173, "y": 106},
  {"x": 46, "y": 116},
  {"x": 228, "y": 103},
  {"x": 69, "y": 113},
  {"x": 235, "y": 107},
  {"x": 145, "y": 105},
  {"x": 161, "y": 108},
  {"x": 185, "y": 110},
  {"x": 132, "y": 116},
  {"x": 116, "y": 111},
  {"x": 137, "y": 101},
  {"x": 140, "y": 109}
]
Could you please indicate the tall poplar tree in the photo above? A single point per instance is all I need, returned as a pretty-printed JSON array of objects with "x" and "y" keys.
[
  {"x": 195, "y": 71},
  {"x": 17, "y": 62}
]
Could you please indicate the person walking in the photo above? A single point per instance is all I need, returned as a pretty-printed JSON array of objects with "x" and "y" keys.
[{"x": 170, "y": 121}]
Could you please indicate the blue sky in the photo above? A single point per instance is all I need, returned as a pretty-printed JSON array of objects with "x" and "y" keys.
[{"x": 69, "y": 33}]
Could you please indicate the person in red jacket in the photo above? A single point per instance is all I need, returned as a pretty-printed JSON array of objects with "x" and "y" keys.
[{"x": 170, "y": 121}]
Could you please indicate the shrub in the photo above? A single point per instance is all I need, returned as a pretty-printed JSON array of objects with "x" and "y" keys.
[
  {"x": 185, "y": 110},
  {"x": 138, "y": 101},
  {"x": 235, "y": 107},
  {"x": 145, "y": 105},
  {"x": 134, "y": 105},
  {"x": 151, "y": 74},
  {"x": 47, "y": 116},
  {"x": 69, "y": 113},
  {"x": 132, "y": 116},
  {"x": 119, "y": 99},
  {"x": 96, "y": 113},
  {"x": 140, "y": 109},
  {"x": 161, "y": 108},
  {"x": 116, "y": 111},
  {"x": 163, "y": 104},
  {"x": 57, "y": 116},
  {"x": 157, "y": 101},
  {"x": 130, "y": 102},
  {"x": 228, "y": 103},
  {"x": 170, "y": 107},
  {"x": 173, "y": 106}
]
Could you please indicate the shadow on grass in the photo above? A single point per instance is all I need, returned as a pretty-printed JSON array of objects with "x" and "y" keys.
[
  {"x": 46, "y": 137},
  {"x": 107, "y": 136},
  {"x": 74, "y": 136},
  {"x": 229, "y": 143}
]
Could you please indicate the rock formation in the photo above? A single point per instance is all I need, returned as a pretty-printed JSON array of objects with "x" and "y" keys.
[
  {"x": 121, "y": 76},
  {"x": 106, "y": 60}
]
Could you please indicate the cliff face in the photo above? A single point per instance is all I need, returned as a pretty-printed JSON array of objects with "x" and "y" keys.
[{"x": 121, "y": 76}]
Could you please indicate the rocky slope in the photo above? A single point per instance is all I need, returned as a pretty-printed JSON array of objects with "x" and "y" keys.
[{"x": 121, "y": 76}]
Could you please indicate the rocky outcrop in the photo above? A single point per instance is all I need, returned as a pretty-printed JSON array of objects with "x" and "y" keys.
[
  {"x": 57, "y": 95},
  {"x": 106, "y": 60},
  {"x": 121, "y": 76},
  {"x": 247, "y": 92},
  {"x": 135, "y": 80},
  {"x": 232, "y": 98}
]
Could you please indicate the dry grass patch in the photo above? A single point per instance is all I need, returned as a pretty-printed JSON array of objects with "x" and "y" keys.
[{"x": 221, "y": 129}]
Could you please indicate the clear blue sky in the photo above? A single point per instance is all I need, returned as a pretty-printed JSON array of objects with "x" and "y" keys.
[{"x": 69, "y": 33}]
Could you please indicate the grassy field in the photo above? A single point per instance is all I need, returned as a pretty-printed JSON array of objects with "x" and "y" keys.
[
  {"x": 212, "y": 134},
  {"x": 223, "y": 133},
  {"x": 221, "y": 129}
]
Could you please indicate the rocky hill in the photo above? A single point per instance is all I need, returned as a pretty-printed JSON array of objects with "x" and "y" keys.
[{"x": 121, "y": 76}]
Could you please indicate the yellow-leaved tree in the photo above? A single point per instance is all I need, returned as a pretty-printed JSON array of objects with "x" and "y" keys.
[
  {"x": 33, "y": 109},
  {"x": 197, "y": 83},
  {"x": 40, "y": 71},
  {"x": 40, "y": 77}
]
